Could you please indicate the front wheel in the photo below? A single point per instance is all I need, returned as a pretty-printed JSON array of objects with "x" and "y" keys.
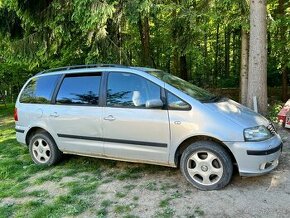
[
  {"x": 206, "y": 165},
  {"x": 43, "y": 149}
]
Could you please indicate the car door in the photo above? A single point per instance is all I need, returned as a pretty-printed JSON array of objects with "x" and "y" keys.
[
  {"x": 132, "y": 129},
  {"x": 76, "y": 116}
]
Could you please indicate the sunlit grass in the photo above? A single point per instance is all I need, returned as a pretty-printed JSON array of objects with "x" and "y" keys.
[{"x": 18, "y": 174}]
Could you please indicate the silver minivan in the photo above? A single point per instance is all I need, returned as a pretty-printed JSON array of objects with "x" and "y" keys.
[{"x": 143, "y": 115}]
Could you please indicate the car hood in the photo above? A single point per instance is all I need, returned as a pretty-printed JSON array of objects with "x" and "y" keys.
[{"x": 238, "y": 113}]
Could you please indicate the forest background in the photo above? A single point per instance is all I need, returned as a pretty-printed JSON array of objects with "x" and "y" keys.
[{"x": 201, "y": 41}]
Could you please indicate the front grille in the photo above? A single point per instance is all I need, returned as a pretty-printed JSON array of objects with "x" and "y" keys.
[{"x": 271, "y": 128}]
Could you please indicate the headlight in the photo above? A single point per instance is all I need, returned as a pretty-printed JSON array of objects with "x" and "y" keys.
[{"x": 258, "y": 133}]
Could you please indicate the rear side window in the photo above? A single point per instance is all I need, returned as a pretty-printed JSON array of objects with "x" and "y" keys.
[
  {"x": 39, "y": 90},
  {"x": 79, "y": 90}
]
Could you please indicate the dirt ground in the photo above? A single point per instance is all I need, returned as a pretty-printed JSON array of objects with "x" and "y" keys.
[
  {"x": 263, "y": 196},
  {"x": 147, "y": 191}
]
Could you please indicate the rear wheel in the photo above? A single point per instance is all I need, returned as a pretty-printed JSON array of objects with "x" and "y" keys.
[
  {"x": 206, "y": 165},
  {"x": 43, "y": 149}
]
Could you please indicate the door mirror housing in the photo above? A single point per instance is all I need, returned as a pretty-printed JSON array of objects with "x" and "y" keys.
[{"x": 154, "y": 103}]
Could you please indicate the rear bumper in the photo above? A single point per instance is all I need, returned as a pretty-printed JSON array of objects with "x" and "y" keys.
[
  {"x": 257, "y": 158},
  {"x": 20, "y": 134}
]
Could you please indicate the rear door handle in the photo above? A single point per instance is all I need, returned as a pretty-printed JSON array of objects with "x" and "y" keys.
[
  {"x": 110, "y": 118},
  {"x": 55, "y": 114}
]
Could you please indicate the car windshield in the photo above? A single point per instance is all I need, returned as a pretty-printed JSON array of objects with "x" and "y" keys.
[{"x": 186, "y": 87}]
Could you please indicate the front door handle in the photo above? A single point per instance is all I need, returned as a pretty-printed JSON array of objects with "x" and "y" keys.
[
  {"x": 110, "y": 118},
  {"x": 55, "y": 114}
]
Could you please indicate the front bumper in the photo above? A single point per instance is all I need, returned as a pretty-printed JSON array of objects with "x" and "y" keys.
[{"x": 256, "y": 158}]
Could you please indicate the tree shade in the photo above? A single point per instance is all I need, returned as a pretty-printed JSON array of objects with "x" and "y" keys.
[{"x": 198, "y": 40}]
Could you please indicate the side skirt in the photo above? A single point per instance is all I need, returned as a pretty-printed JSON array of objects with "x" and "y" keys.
[{"x": 121, "y": 159}]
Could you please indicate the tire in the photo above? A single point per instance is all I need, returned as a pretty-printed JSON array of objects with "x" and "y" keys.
[
  {"x": 206, "y": 165},
  {"x": 43, "y": 149}
]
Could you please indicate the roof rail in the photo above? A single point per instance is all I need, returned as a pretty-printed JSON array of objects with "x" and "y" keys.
[{"x": 79, "y": 67}]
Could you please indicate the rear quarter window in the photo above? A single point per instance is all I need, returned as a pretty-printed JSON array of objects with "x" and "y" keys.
[{"x": 39, "y": 90}]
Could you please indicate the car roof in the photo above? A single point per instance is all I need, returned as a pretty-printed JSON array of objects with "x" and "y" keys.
[{"x": 93, "y": 66}]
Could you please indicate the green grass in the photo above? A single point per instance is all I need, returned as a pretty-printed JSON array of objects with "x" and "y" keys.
[
  {"x": 25, "y": 191},
  {"x": 16, "y": 168},
  {"x": 130, "y": 216},
  {"x": 120, "y": 209},
  {"x": 50, "y": 177},
  {"x": 82, "y": 187},
  {"x": 38, "y": 193},
  {"x": 106, "y": 203},
  {"x": 126, "y": 190},
  {"x": 103, "y": 211},
  {"x": 167, "y": 212},
  {"x": 151, "y": 186},
  {"x": 198, "y": 212},
  {"x": 129, "y": 173},
  {"x": 7, "y": 210},
  {"x": 63, "y": 205},
  {"x": 120, "y": 194},
  {"x": 165, "y": 202},
  {"x": 167, "y": 186},
  {"x": 16, "y": 165},
  {"x": 129, "y": 187},
  {"x": 6, "y": 111}
]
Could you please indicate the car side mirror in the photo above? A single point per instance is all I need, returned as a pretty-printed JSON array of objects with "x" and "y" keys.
[{"x": 154, "y": 103}]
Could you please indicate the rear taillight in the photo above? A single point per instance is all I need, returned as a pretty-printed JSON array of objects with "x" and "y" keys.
[{"x": 15, "y": 114}]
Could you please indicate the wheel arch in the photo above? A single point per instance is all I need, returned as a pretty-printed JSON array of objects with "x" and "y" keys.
[
  {"x": 32, "y": 131},
  {"x": 193, "y": 139}
]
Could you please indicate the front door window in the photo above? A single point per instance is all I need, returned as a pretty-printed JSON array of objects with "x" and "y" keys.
[{"x": 131, "y": 91}]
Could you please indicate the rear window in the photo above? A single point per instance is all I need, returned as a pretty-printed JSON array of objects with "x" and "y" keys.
[{"x": 39, "y": 90}]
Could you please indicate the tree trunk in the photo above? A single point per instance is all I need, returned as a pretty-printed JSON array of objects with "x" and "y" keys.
[
  {"x": 216, "y": 71},
  {"x": 269, "y": 38},
  {"x": 205, "y": 54},
  {"x": 244, "y": 66},
  {"x": 236, "y": 56},
  {"x": 227, "y": 51},
  {"x": 257, "y": 80},
  {"x": 282, "y": 33},
  {"x": 183, "y": 68},
  {"x": 118, "y": 29},
  {"x": 175, "y": 62},
  {"x": 285, "y": 84},
  {"x": 168, "y": 65},
  {"x": 145, "y": 40}
]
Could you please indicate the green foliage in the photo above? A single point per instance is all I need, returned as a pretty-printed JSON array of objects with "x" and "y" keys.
[
  {"x": 274, "y": 110},
  {"x": 40, "y": 34}
]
